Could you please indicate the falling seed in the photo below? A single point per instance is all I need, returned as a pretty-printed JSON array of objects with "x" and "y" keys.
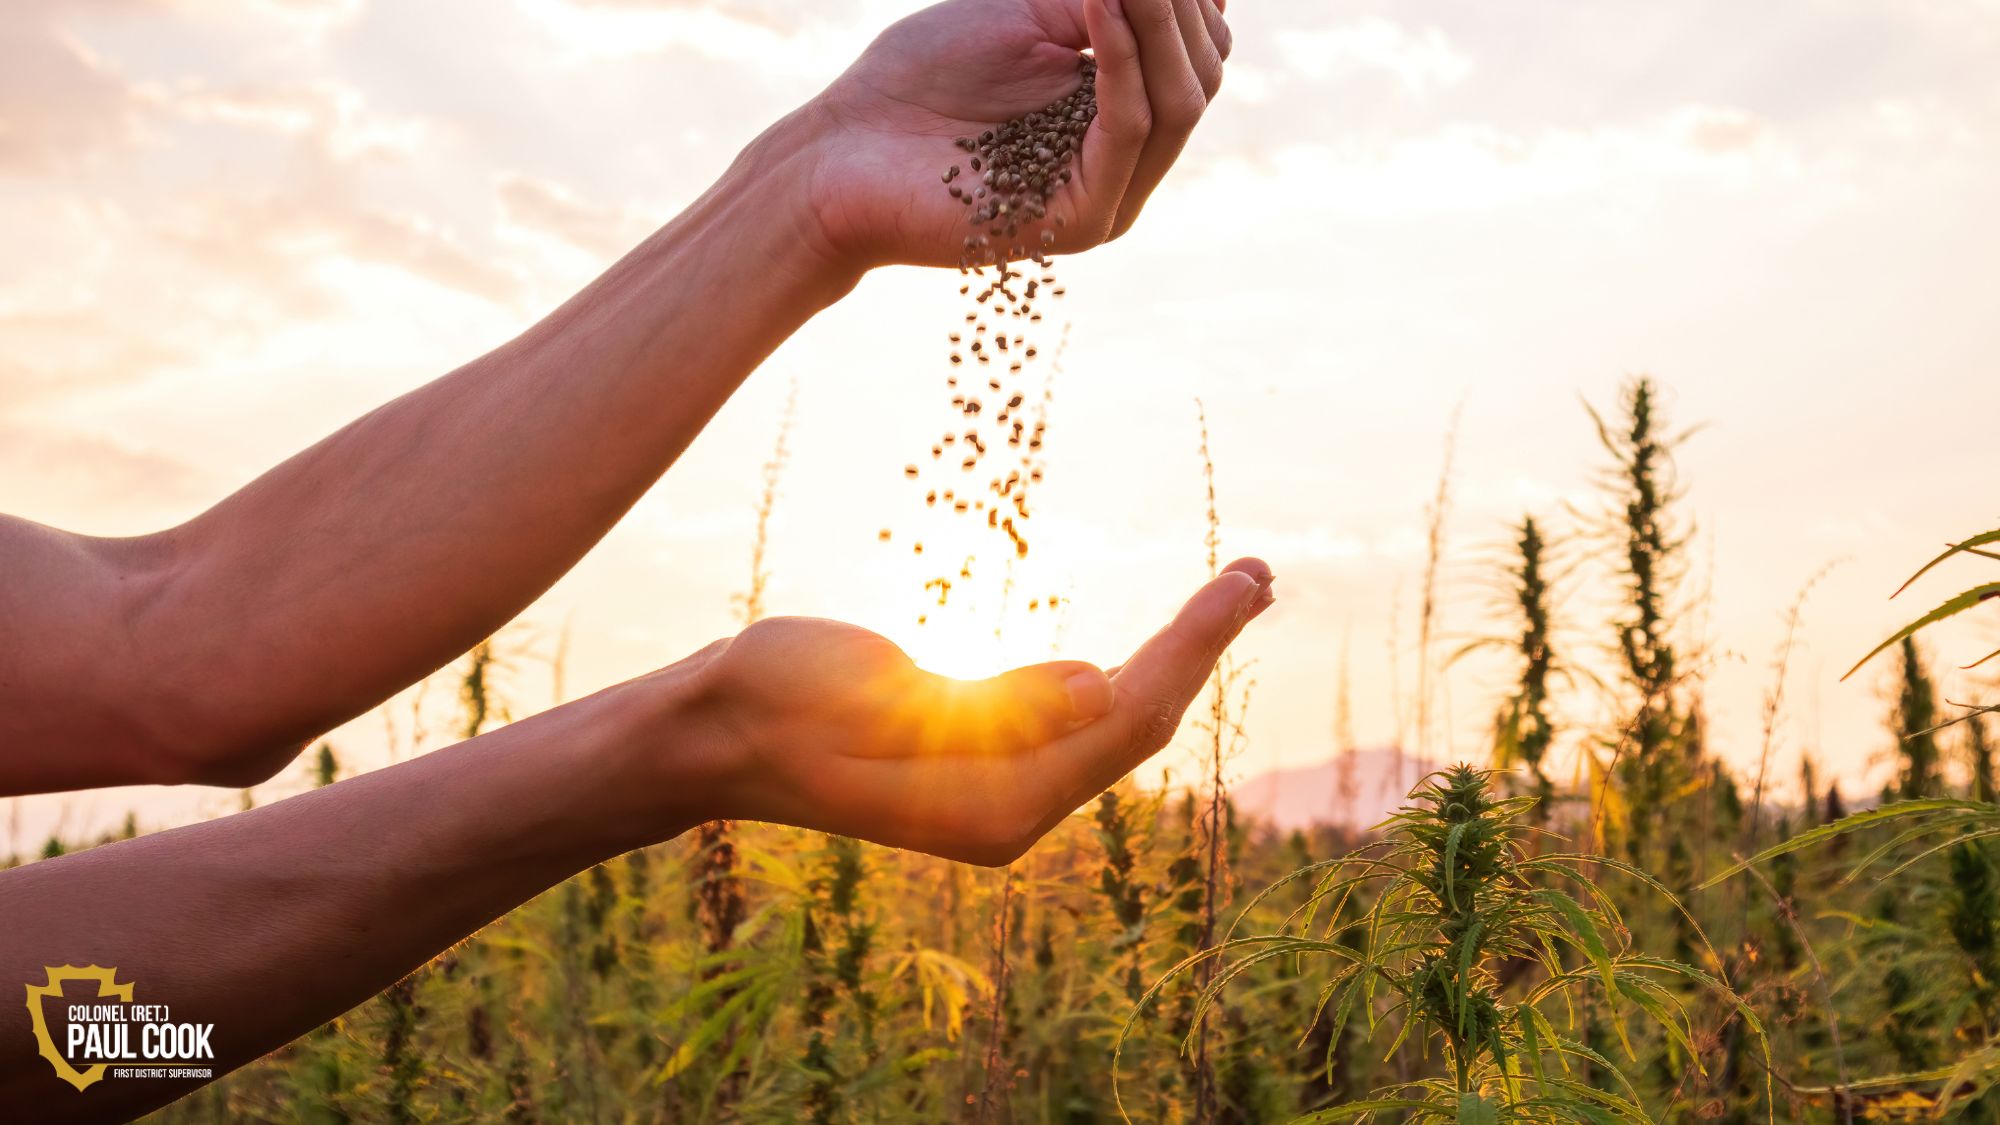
[{"x": 883, "y": 535}]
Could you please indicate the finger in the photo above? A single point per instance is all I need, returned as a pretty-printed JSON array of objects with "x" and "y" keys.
[
  {"x": 1112, "y": 147},
  {"x": 1155, "y": 687},
  {"x": 1256, "y": 568},
  {"x": 1218, "y": 28},
  {"x": 1174, "y": 94},
  {"x": 1200, "y": 46}
]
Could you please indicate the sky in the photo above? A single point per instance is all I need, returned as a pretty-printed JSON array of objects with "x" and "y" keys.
[{"x": 233, "y": 226}]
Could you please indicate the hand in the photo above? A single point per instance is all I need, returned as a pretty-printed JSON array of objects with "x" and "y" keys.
[
  {"x": 964, "y": 66},
  {"x": 832, "y": 727}
]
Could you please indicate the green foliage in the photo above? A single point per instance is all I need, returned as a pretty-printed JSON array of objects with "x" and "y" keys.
[
  {"x": 1979, "y": 545},
  {"x": 1460, "y": 966},
  {"x": 1470, "y": 944},
  {"x": 1524, "y": 732},
  {"x": 1655, "y": 746},
  {"x": 1916, "y": 728},
  {"x": 326, "y": 767}
]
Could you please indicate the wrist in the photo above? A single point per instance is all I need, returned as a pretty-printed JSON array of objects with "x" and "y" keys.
[
  {"x": 780, "y": 171},
  {"x": 671, "y": 757}
]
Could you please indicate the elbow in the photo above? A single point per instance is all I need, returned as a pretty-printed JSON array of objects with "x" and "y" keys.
[
  {"x": 196, "y": 702},
  {"x": 176, "y": 744},
  {"x": 234, "y": 766}
]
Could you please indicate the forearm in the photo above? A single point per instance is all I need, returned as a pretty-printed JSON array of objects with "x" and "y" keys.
[
  {"x": 271, "y": 922},
  {"x": 385, "y": 550}
]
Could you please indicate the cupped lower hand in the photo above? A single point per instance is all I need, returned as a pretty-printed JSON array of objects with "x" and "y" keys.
[
  {"x": 832, "y": 727},
  {"x": 964, "y": 66}
]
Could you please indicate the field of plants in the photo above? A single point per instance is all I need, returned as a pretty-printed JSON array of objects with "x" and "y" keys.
[{"x": 1657, "y": 938}]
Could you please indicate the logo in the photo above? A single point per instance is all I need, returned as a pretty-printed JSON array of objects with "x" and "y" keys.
[{"x": 87, "y": 1034}]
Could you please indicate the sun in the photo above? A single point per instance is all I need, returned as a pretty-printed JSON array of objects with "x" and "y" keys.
[
  {"x": 965, "y": 643},
  {"x": 962, "y": 612}
]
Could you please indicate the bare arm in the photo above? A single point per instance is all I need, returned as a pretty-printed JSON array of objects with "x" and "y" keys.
[
  {"x": 270, "y": 922},
  {"x": 376, "y": 555},
  {"x": 212, "y": 652}
]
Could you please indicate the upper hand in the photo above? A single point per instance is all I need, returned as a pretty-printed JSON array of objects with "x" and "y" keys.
[
  {"x": 887, "y": 124},
  {"x": 829, "y": 726}
]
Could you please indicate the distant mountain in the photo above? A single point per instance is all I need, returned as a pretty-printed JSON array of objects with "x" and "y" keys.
[{"x": 1307, "y": 795}]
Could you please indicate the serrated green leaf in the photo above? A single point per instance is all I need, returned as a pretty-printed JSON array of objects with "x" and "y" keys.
[{"x": 1950, "y": 608}]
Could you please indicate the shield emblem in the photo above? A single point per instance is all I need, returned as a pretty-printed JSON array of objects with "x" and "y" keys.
[{"x": 107, "y": 989}]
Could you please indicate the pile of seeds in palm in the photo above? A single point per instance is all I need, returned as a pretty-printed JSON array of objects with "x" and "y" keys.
[{"x": 1005, "y": 178}]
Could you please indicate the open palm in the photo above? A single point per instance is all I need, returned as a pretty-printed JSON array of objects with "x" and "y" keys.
[
  {"x": 836, "y": 729},
  {"x": 964, "y": 66}
]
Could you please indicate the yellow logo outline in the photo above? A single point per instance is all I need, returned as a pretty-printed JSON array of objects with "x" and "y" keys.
[{"x": 108, "y": 988}]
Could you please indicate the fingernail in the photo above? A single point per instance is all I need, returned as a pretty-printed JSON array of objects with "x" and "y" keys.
[
  {"x": 1266, "y": 597},
  {"x": 1246, "y": 601},
  {"x": 1265, "y": 594},
  {"x": 1089, "y": 695},
  {"x": 1116, "y": 8}
]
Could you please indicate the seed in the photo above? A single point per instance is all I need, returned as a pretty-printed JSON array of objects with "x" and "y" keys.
[
  {"x": 910, "y": 471},
  {"x": 883, "y": 535}
]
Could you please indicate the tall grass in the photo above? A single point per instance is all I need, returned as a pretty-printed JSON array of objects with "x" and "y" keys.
[
  {"x": 1451, "y": 968},
  {"x": 1455, "y": 903}
]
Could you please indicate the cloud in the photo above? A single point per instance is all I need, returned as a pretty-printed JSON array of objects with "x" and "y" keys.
[
  {"x": 49, "y": 351},
  {"x": 553, "y": 209},
  {"x": 49, "y": 472},
  {"x": 786, "y": 17},
  {"x": 60, "y": 105},
  {"x": 1468, "y": 167},
  {"x": 1717, "y": 130},
  {"x": 1419, "y": 60},
  {"x": 335, "y": 116},
  {"x": 279, "y": 239},
  {"x": 776, "y": 37}
]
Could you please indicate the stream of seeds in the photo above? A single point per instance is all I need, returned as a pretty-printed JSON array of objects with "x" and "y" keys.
[{"x": 985, "y": 462}]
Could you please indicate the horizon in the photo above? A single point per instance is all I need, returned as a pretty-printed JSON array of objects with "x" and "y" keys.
[{"x": 239, "y": 227}]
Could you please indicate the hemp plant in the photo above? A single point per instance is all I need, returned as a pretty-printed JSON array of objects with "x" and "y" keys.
[
  {"x": 1468, "y": 939},
  {"x": 1944, "y": 822}
]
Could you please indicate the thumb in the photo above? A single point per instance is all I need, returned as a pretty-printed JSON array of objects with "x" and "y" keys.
[
  {"x": 1154, "y": 688},
  {"x": 1113, "y": 145},
  {"x": 1043, "y": 701}
]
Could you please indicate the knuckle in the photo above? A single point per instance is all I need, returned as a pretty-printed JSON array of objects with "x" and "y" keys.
[
  {"x": 1128, "y": 128},
  {"x": 1157, "y": 725},
  {"x": 1186, "y": 109}
]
